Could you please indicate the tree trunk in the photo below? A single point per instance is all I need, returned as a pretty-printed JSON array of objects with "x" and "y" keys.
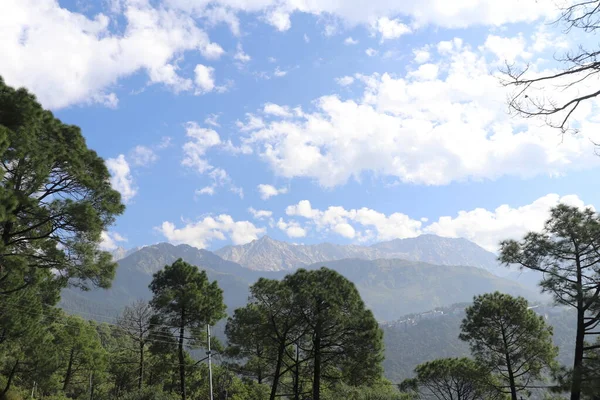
[
  {"x": 580, "y": 335},
  {"x": 69, "y": 370},
  {"x": 13, "y": 371},
  {"x": 280, "y": 353},
  {"x": 181, "y": 358},
  {"x": 259, "y": 372},
  {"x": 317, "y": 361},
  {"x": 297, "y": 376},
  {"x": 578, "y": 358},
  {"x": 511, "y": 375},
  {"x": 141, "y": 377},
  {"x": 511, "y": 379}
]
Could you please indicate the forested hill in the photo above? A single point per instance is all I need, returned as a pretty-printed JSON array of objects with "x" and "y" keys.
[
  {"x": 417, "y": 338},
  {"x": 390, "y": 287}
]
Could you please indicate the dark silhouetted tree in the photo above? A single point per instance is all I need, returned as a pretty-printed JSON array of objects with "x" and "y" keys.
[
  {"x": 566, "y": 252},
  {"x": 55, "y": 200}
]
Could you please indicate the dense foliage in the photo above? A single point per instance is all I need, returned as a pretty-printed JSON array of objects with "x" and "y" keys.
[
  {"x": 452, "y": 378},
  {"x": 509, "y": 339},
  {"x": 307, "y": 332}
]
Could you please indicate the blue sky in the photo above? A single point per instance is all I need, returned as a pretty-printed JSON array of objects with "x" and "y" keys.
[{"x": 368, "y": 121}]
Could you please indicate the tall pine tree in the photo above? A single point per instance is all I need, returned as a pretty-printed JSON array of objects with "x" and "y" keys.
[
  {"x": 510, "y": 339},
  {"x": 566, "y": 252},
  {"x": 185, "y": 301}
]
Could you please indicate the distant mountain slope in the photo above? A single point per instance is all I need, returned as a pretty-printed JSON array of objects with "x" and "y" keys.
[
  {"x": 272, "y": 255},
  {"x": 120, "y": 252},
  {"x": 392, "y": 288},
  {"x": 134, "y": 274},
  {"x": 415, "y": 339},
  {"x": 266, "y": 254},
  {"x": 439, "y": 250}
]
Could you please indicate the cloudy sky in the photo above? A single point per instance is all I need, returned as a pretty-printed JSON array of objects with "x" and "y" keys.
[{"x": 308, "y": 120}]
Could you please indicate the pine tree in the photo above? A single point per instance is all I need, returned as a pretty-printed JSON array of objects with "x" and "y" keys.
[
  {"x": 509, "y": 338},
  {"x": 566, "y": 252},
  {"x": 186, "y": 301},
  {"x": 452, "y": 378}
]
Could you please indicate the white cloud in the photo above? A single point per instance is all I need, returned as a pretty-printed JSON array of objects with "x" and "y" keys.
[
  {"x": 229, "y": 147},
  {"x": 260, "y": 214},
  {"x": 168, "y": 75},
  {"x": 220, "y": 178},
  {"x": 446, "y": 122},
  {"x": 165, "y": 142},
  {"x": 291, "y": 228},
  {"x": 445, "y": 47},
  {"x": 331, "y": 29},
  {"x": 121, "y": 179},
  {"x": 280, "y": 19},
  {"x": 209, "y": 190},
  {"x": 350, "y": 41},
  {"x": 240, "y": 55},
  {"x": 143, "y": 156},
  {"x": 371, "y": 52},
  {"x": 421, "y": 56},
  {"x": 204, "y": 78},
  {"x": 425, "y": 72},
  {"x": 345, "y": 81},
  {"x": 213, "y": 51},
  {"x": 484, "y": 227},
  {"x": 277, "y": 110},
  {"x": 272, "y": 59},
  {"x": 306, "y": 38},
  {"x": 201, "y": 233},
  {"x": 339, "y": 220},
  {"x": 237, "y": 190},
  {"x": 253, "y": 123},
  {"x": 345, "y": 230},
  {"x": 212, "y": 120},
  {"x": 110, "y": 240},
  {"x": 507, "y": 49},
  {"x": 66, "y": 58},
  {"x": 544, "y": 40},
  {"x": 267, "y": 191},
  {"x": 279, "y": 73},
  {"x": 218, "y": 14},
  {"x": 488, "y": 228},
  {"x": 391, "y": 28},
  {"x": 69, "y": 58},
  {"x": 352, "y": 12},
  {"x": 194, "y": 151}
]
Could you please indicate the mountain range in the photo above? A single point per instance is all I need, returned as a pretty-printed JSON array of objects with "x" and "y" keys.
[
  {"x": 400, "y": 281},
  {"x": 394, "y": 278},
  {"x": 266, "y": 254}
]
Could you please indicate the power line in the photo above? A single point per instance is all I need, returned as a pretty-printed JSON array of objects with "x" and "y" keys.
[
  {"x": 57, "y": 320},
  {"x": 114, "y": 321}
]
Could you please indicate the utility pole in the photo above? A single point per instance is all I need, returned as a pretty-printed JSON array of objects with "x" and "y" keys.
[
  {"x": 297, "y": 377},
  {"x": 209, "y": 363}
]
